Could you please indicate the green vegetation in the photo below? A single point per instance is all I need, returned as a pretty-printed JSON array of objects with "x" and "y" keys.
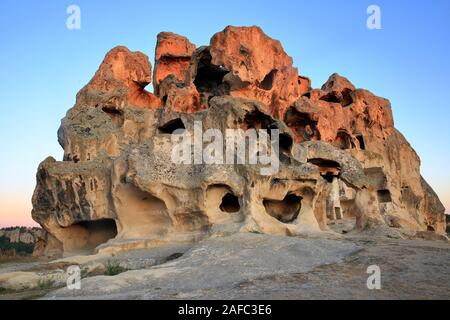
[
  {"x": 20, "y": 247},
  {"x": 113, "y": 268},
  {"x": 45, "y": 284}
]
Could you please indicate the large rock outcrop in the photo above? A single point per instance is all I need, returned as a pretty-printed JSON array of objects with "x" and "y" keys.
[{"x": 339, "y": 156}]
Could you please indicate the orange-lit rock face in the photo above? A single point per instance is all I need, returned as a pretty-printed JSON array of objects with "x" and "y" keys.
[
  {"x": 181, "y": 99},
  {"x": 120, "y": 81},
  {"x": 172, "y": 57},
  {"x": 258, "y": 67},
  {"x": 339, "y": 108},
  {"x": 304, "y": 84},
  {"x": 344, "y": 108}
]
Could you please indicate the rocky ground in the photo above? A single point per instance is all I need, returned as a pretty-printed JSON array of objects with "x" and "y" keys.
[{"x": 249, "y": 266}]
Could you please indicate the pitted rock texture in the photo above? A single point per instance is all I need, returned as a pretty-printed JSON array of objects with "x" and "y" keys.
[{"x": 340, "y": 154}]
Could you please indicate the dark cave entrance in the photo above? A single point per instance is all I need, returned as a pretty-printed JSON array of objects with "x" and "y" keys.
[
  {"x": 230, "y": 203},
  {"x": 286, "y": 210},
  {"x": 344, "y": 97},
  {"x": 384, "y": 196},
  {"x": 343, "y": 141},
  {"x": 285, "y": 143},
  {"x": 267, "y": 82},
  {"x": 171, "y": 126},
  {"x": 360, "y": 139},
  {"x": 328, "y": 168},
  {"x": 98, "y": 231},
  {"x": 209, "y": 78},
  {"x": 304, "y": 127}
]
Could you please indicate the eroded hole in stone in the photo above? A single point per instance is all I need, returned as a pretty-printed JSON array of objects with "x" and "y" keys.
[
  {"x": 343, "y": 141},
  {"x": 230, "y": 203},
  {"x": 346, "y": 97},
  {"x": 285, "y": 210},
  {"x": 331, "y": 97},
  {"x": 328, "y": 168},
  {"x": 141, "y": 214},
  {"x": 171, "y": 126},
  {"x": 209, "y": 78},
  {"x": 258, "y": 120},
  {"x": 328, "y": 176},
  {"x": 97, "y": 232},
  {"x": 360, "y": 139},
  {"x": 285, "y": 143},
  {"x": 267, "y": 82},
  {"x": 222, "y": 204},
  {"x": 115, "y": 115},
  {"x": 307, "y": 95},
  {"x": 384, "y": 196},
  {"x": 302, "y": 124}
]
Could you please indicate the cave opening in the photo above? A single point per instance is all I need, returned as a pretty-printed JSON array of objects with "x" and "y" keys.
[
  {"x": 328, "y": 168},
  {"x": 330, "y": 97},
  {"x": 230, "y": 203},
  {"x": 360, "y": 139},
  {"x": 257, "y": 120},
  {"x": 286, "y": 210},
  {"x": 285, "y": 143},
  {"x": 344, "y": 97},
  {"x": 98, "y": 231},
  {"x": 384, "y": 196},
  {"x": 307, "y": 95},
  {"x": 324, "y": 163},
  {"x": 141, "y": 214},
  {"x": 304, "y": 127},
  {"x": 328, "y": 176},
  {"x": 343, "y": 141},
  {"x": 209, "y": 78},
  {"x": 171, "y": 126},
  {"x": 267, "y": 82}
]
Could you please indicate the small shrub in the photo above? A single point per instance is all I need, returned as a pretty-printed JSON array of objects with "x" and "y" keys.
[
  {"x": 113, "y": 268},
  {"x": 45, "y": 284}
]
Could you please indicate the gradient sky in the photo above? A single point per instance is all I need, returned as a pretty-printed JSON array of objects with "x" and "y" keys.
[{"x": 43, "y": 65}]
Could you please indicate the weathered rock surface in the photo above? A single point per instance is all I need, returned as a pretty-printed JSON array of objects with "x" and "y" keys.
[
  {"x": 217, "y": 263},
  {"x": 120, "y": 81},
  {"x": 250, "y": 266},
  {"x": 340, "y": 154}
]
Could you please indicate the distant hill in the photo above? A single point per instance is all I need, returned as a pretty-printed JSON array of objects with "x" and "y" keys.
[{"x": 18, "y": 240}]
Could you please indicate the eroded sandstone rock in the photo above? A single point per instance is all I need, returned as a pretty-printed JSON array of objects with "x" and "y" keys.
[
  {"x": 340, "y": 155},
  {"x": 172, "y": 57},
  {"x": 120, "y": 81}
]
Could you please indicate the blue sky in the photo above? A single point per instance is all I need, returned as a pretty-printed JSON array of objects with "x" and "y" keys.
[{"x": 43, "y": 65}]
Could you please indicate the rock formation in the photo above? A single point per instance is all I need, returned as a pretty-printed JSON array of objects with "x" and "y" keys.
[{"x": 340, "y": 155}]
